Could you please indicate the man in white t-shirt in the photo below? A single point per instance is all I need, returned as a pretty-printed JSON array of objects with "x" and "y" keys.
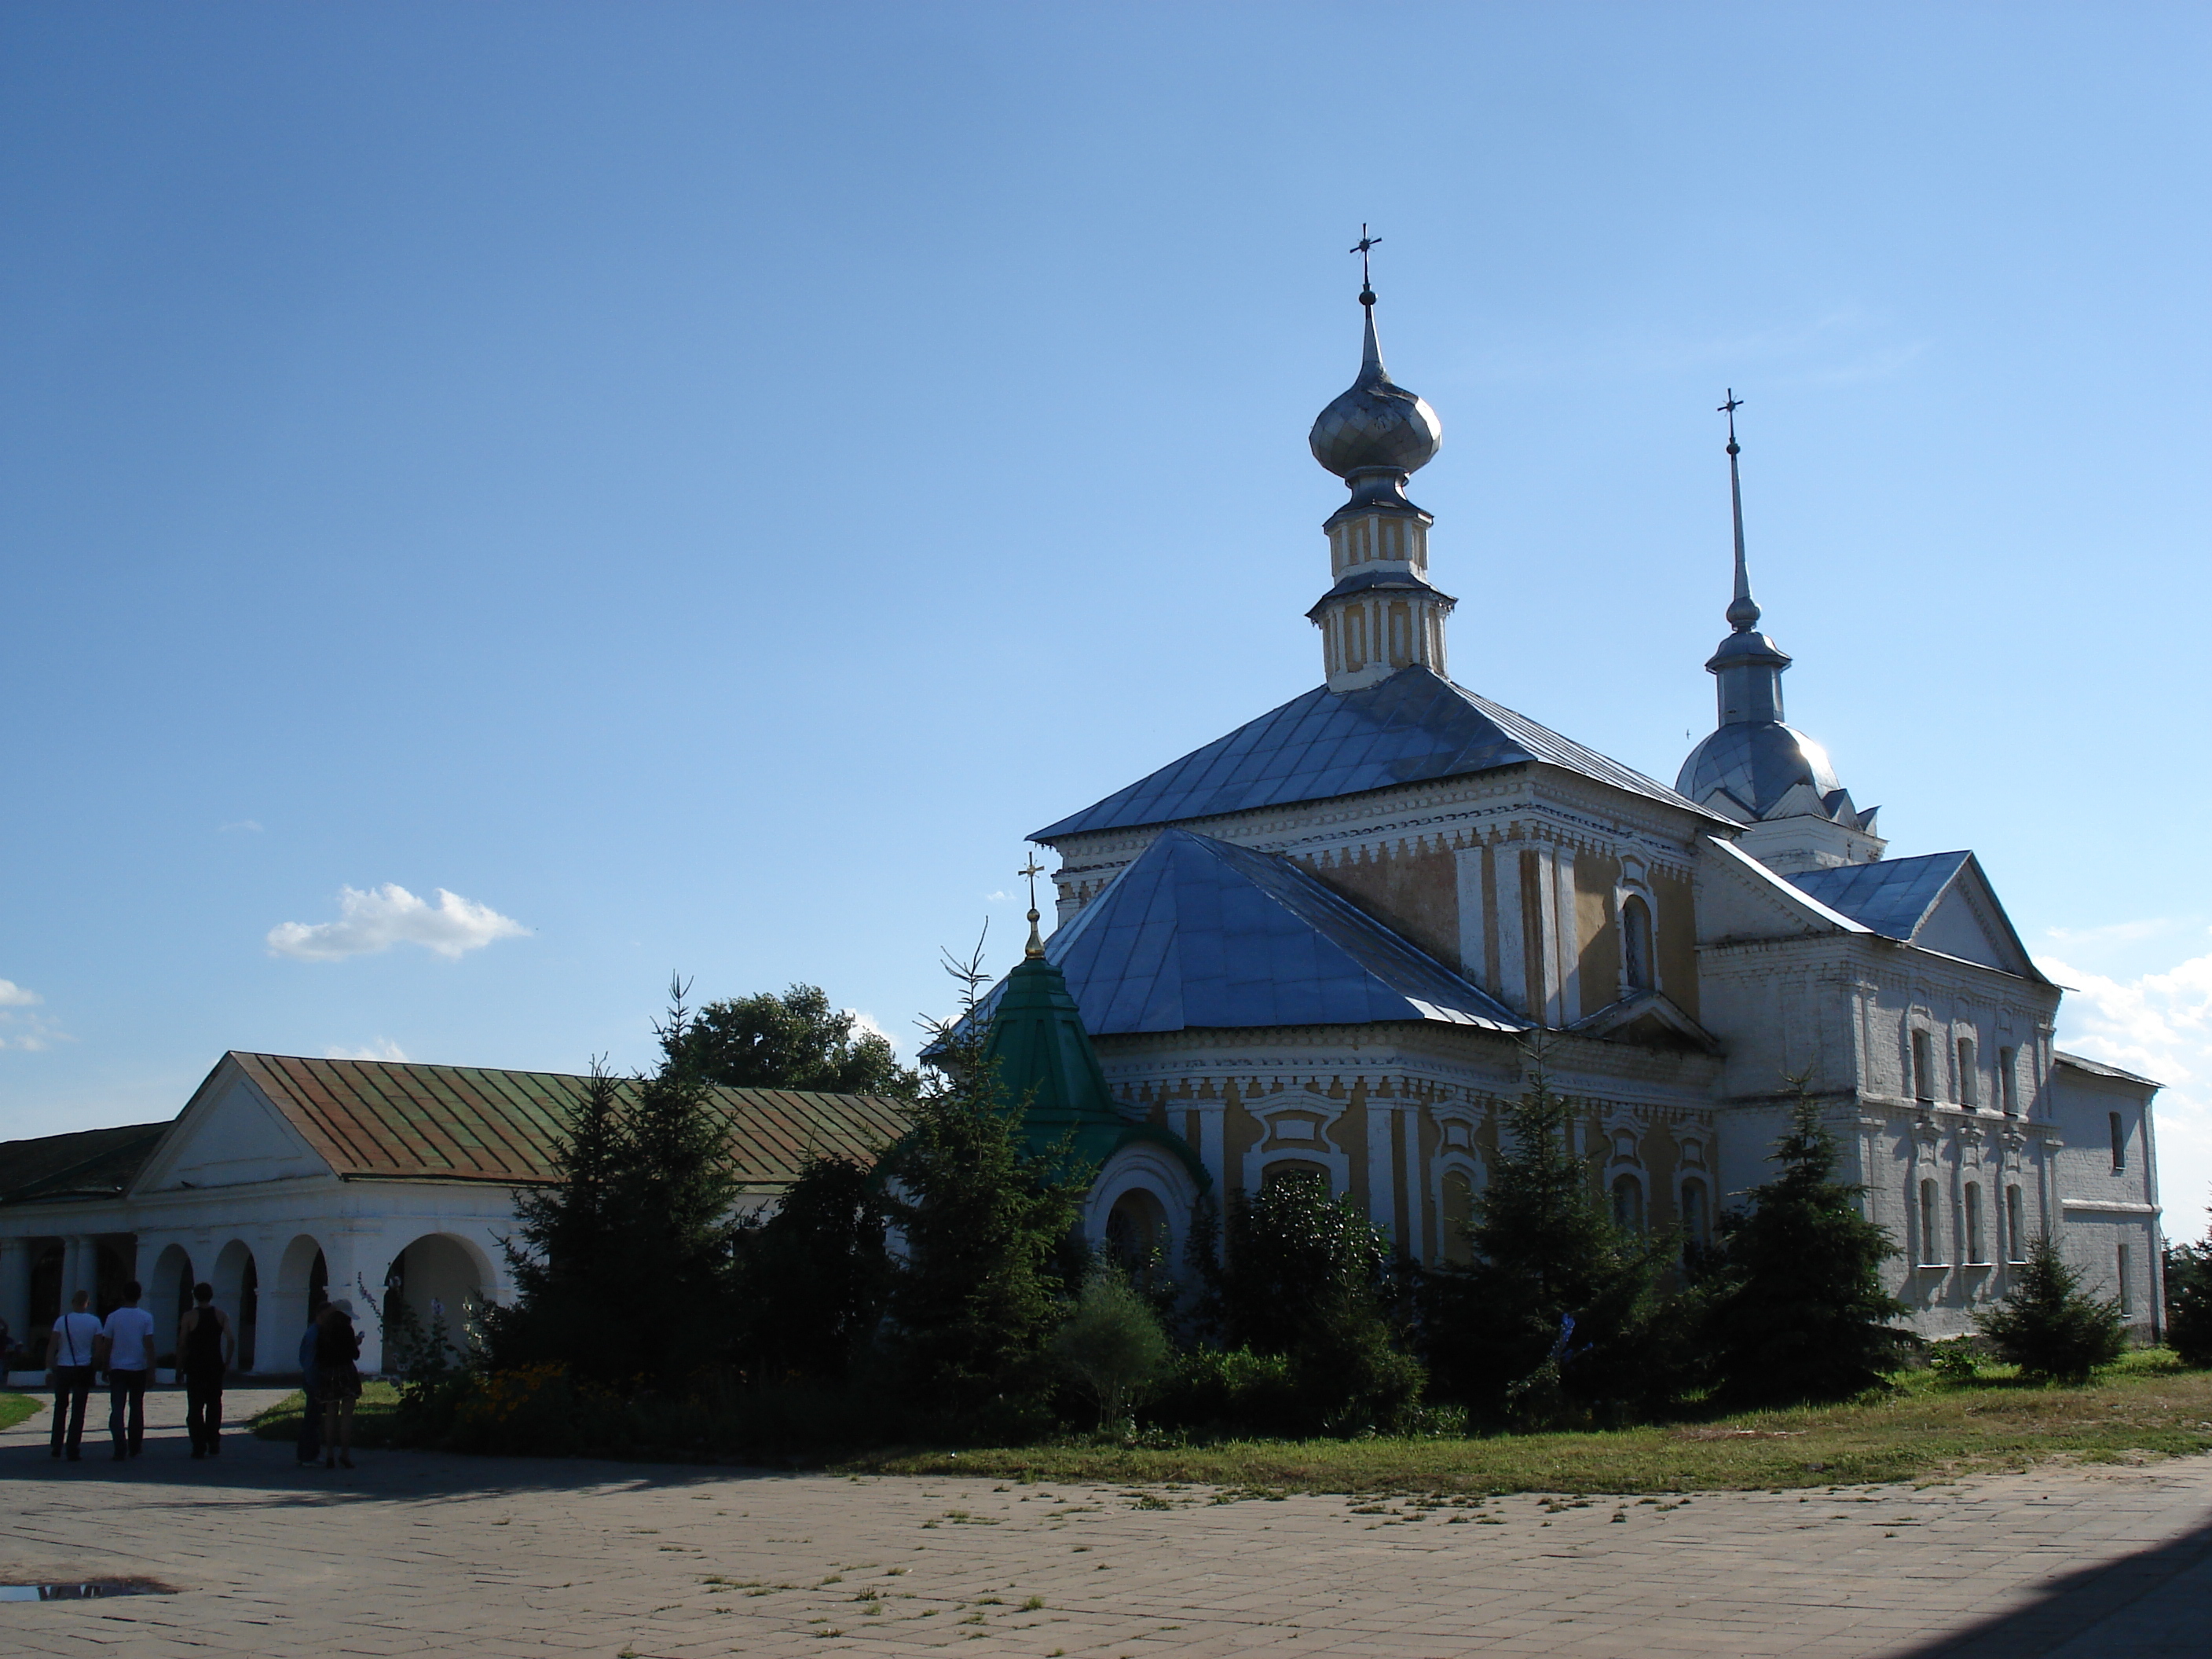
[
  {"x": 70, "y": 1347},
  {"x": 128, "y": 1337}
]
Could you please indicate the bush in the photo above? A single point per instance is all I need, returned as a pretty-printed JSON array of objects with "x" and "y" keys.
[
  {"x": 2049, "y": 1326},
  {"x": 1111, "y": 1344},
  {"x": 1231, "y": 1392},
  {"x": 2189, "y": 1303}
]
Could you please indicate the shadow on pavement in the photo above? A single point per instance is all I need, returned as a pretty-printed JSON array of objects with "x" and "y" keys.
[{"x": 2150, "y": 1605}]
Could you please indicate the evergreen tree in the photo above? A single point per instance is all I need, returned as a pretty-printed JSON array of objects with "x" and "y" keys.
[
  {"x": 2049, "y": 1326},
  {"x": 1112, "y": 1343},
  {"x": 1308, "y": 1278},
  {"x": 795, "y": 1041},
  {"x": 985, "y": 1224},
  {"x": 812, "y": 1277},
  {"x": 1547, "y": 1252},
  {"x": 1796, "y": 1308},
  {"x": 622, "y": 1265},
  {"x": 2189, "y": 1302}
]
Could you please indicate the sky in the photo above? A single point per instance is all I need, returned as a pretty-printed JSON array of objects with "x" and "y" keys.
[{"x": 502, "y": 505}]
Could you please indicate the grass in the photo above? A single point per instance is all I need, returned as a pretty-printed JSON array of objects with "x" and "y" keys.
[
  {"x": 372, "y": 1416},
  {"x": 15, "y": 1408},
  {"x": 2145, "y": 1408}
]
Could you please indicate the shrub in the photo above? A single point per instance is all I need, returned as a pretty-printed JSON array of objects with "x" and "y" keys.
[
  {"x": 1111, "y": 1344},
  {"x": 2051, "y": 1327},
  {"x": 1231, "y": 1391},
  {"x": 2189, "y": 1303}
]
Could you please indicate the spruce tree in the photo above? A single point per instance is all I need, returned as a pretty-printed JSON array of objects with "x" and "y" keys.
[
  {"x": 984, "y": 1225},
  {"x": 2049, "y": 1326},
  {"x": 2189, "y": 1302},
  {"x": 812, "y": 1276},
  {"x": 1559, "y": 1303},
  {"x": 1795, "y": 1304}
]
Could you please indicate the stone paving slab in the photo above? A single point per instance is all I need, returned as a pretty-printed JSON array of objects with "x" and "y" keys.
[{"x": 415, "y": 1553}]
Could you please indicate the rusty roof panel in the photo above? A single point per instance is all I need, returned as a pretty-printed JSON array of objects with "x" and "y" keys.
[{"x": 397, "y": 1120}]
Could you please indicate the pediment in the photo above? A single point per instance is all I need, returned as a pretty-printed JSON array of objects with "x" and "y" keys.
[
  {"x": 1967, "y": 922},
  {"x": 1649, "y": 1019},
  {"x": 230, "y": 1136},
  {"x": 1740, "y": 898}
]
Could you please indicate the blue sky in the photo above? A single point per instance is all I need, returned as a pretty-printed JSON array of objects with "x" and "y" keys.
[{"x": 697, "y": 484}]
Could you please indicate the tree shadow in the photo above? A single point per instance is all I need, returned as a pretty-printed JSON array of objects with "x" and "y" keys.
[{"x": 2154, "y": 1604}]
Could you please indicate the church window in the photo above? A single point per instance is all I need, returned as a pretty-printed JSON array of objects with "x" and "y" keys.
[
  {"x": 1923, "y": 1068},
  {"x": 2015, "y": 1224},
  {"x": 2119, "y": 1143},
  {"x": 1355, "y": 639},
  {"x": 1400, "y": 636},
  {"x": 2127, "y": 1291},
  {"x": 1975, "y": 1254},
  {"x": 2008, "y": 1081},
  {"x": 1968, "y": 1094},
  {"x": 1628, "y": 1203},
  {"x": 1636, "y": 944},
  {"x": 1695, "y": 1223},
  {"x": 1930, "y": 1253},
  {"x": 1456, "y": 1217}
]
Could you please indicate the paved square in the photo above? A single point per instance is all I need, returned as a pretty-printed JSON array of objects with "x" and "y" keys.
[{"x": 415, "y": 1553}]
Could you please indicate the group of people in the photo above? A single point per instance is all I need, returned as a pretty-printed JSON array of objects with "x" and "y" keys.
[{"x": 81, "y": 1345}]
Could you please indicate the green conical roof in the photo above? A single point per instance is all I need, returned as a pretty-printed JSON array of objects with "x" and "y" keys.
[{"x": 1044, "y": 1060}]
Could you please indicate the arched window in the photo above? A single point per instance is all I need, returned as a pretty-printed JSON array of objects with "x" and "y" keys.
[
  {"x": 1456, "y": 1216},
  {"x": 1923, "y": 1068},
  {"x": 1696, "y": 1222},
  {"x": 1628, "y": 1203},
  {"x": 2119, "y": 1143},
  {"x": 1137, "y": 1228},
  {"x": 2015, "y": 1224},
  {"x": 2008, "y": 1082},
  {"x": 1930, "y": 1255},
  {"x": 1355, "y": 638},
  {"x": 1969, "y": 1093},
  {"x": 1975, "y": 1254},
  {"x": 1636, "y": 944}
]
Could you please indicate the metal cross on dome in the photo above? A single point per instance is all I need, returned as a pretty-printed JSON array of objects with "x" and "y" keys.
[
  {"x": 1360, "y": 247},
  {"x": 1032, "y": 869}
]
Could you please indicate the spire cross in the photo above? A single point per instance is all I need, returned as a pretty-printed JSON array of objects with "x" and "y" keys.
[
  {"x": 1730, "y": 409},
  {"x": 1743, "y": 609},
  {"x": 1032, "y": 869},
  {"x": 1361, "y": 247}
]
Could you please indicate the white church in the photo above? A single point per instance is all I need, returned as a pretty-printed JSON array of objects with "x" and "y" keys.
[{"x": 1337, "y": 940}]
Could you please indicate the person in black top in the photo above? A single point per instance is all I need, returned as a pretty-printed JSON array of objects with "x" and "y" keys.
[
  {"x": 338, "y": 1380},
  {"x": 205, "y": 1350}
]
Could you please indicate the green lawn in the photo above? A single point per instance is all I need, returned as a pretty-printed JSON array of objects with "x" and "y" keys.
[
  {"x": 372, "y": 1416},
  {"x": 2146, "y": 1409},
  {"x": 15, "y": 1408}
]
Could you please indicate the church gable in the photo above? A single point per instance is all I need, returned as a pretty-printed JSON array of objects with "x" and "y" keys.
[
  {"x": 1740, "y": 898},
  {"x": 1939, "y": 902}
]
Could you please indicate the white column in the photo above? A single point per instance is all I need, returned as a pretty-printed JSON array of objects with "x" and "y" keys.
[
  {"x": 1512, "y": 933},
  {"x": 1547, "y": 935},
  {"x": 1411, "y": 1118},
  {"x": 1382, "y": 1172},
  {"x": 357, "y": 1258},
  {"x": 1570, "y": 968},
  {"x": 1473, "y": 941},
  {"x": 79, "y": 1269}
]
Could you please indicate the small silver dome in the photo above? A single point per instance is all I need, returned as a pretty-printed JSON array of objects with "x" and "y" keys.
[
  {"x": 1376, "y": 424},
  {"x": 1757, "y": 762}
]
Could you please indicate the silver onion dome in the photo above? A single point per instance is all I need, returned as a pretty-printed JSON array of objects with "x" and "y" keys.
[
  {"x": 1757, "y": 762},
  {"x": 1376, "y": 424}
]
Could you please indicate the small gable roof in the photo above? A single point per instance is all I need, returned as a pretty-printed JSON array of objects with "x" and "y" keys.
[
  {"x": 84, "y": 1164},
  {"x": 404, "y": 1120},
  {"x": 1410, "y": 727},
  {"x": 1198, "y": 932},
  {"x": 1938, "y": 901}
]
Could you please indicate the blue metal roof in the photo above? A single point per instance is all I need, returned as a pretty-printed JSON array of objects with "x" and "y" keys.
[
  {"x": 1412, "y": 727},
  {"x": 1891, "y": 896},
  {"x": 1197, "y": 933}
]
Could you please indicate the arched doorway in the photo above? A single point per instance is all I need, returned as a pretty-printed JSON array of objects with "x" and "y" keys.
[
  {"x": 1137, "y": 1229},
  {"x": 238, "y": 1293},
  {"x": 438, "y": 1281},
  {"x": 168, "y": 1295}
]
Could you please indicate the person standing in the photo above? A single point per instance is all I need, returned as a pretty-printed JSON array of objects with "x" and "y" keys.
[
  {"x": 204, "y": 1349},
  {"x": 128, "y": 1338},
  {"x": 71, "y": 1346},
  {"x": 337, "y": 1379},
  {"x": 310, "y": 1450}
]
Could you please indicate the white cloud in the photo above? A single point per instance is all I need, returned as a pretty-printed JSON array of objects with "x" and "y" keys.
[
  {"x": 26, "y": 1032},
  {"x": 248, "y": 824},
  {"x": 382, "y": 1049},
  {"x": 2159, "y": 1024},
  {"x": 865, "y": 1024},
  {"x": 13, "y": 995},
  {"x": 388, "y": 915}
]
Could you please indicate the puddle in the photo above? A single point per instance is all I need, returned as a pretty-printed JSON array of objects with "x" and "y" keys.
[{"x": 83, "y": 1589}]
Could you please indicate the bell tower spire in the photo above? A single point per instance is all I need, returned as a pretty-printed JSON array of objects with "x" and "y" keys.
[
  {"x": 1382, "y": 615},
  {"x": 1749, "y": 665}
]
